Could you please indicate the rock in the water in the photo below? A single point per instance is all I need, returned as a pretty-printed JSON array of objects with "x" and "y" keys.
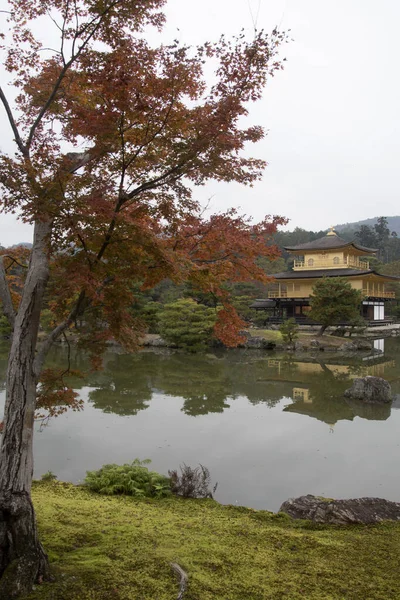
[
  {"x": 370, "y": 389},
  {"x": 341, "y": 512},
  {"x": 363, "y": 344},
  {"x": 299, "y": 347},
  {"x": 259, "y": 343},
  {"x": 348, "y": 347}
]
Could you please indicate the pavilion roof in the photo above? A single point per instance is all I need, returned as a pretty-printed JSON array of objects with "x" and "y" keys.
[
  {"x": 318, "y": 273},
  {"x": 330, "y": 241}
]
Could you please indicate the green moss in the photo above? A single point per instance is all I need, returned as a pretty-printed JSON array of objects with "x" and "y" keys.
[
  {"x": 121, "y": 548},
  {"x": 268, "y": 334}
]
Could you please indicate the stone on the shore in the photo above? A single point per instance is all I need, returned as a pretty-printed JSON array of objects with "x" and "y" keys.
[
  {"x": 299, "y": 347},
  {"x": 259, "y": 343},
  {"x": 363, "y": 344},
  {"x": 341, "y": 512},
  {"x": 370, "y": 389},
  {"x": 348, "y": 347}
]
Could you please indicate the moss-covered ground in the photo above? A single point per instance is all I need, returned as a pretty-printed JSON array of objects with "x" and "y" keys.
[{"x": 121, "y": 548}]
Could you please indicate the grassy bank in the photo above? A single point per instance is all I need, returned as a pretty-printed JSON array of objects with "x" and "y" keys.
[
  {"x": 305, "y": 338},
  {"x": 121, "y": 548}
]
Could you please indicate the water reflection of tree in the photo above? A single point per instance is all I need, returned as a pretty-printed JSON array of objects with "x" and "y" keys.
[
  {"x": 126, "y": 387},
  {"x": 203, "y": 381},
  {"x": 209, "y": 383}
]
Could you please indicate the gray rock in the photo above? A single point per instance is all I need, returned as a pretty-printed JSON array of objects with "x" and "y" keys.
[
  {"x": 339, "y": 332},
  {"x": 259, "y": 343},
  {"x": 363, "y": 344},
  {"x": 341, "y": 512},
  {"x": 314, "y": 344},
  {"x": 348, "y": 347},
  {"x": 370, "y": 389},
  {"x": 154, "y": 340},
  {"x": 299, "y": 347}
]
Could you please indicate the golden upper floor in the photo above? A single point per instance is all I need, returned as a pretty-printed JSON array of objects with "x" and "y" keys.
[
  {"x": 330, "y": 252},
  {"x": 329, "y": 260}
]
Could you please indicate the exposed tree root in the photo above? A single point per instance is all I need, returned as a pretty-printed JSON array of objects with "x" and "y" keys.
[{"x": 183, "y": 580}]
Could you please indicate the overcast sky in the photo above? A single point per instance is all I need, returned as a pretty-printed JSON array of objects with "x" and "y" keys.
[{"x": 332, "y": 114}]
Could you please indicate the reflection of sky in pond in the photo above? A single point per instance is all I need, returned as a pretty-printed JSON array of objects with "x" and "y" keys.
[{"x": 267, "y": 427}]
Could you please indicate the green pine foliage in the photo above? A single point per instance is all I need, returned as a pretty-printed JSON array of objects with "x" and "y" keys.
[
  {"x": 335, "y": 301},
  {"x": 5, "y": 329},
  {"x": 186, "y": 324},
  {"x": 289, "y": 330},
  {"x": 132, "y": 479}
]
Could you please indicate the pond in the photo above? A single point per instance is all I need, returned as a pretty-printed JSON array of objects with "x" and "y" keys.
[{"x": 267, "y": 426}]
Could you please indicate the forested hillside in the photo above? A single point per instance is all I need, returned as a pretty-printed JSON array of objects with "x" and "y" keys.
[{"x": 349, "y": 228}]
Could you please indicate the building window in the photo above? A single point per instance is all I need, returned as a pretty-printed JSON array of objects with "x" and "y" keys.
[
  {"x": 310, "y": 262},
  {"x": 336, "y": 260}
]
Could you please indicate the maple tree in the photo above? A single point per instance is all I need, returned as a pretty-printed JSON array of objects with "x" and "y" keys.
[{"x": 111, "y": 137}]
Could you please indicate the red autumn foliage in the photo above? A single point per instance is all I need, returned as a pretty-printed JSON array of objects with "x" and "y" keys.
[
  {"x": 147, "y": 128},
  {"x": 54, "y": 396}
]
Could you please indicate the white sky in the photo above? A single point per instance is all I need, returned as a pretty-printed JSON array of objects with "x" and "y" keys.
[{"x": 332, "y": 114}]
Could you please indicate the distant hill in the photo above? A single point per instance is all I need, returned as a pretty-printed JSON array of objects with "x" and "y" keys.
[
  {"x": 393, "y": 224},
  {"x": 25, "y": 244}
]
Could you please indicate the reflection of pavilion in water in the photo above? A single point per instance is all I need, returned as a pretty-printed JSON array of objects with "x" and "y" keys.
[{"x": 318, "y": 387}]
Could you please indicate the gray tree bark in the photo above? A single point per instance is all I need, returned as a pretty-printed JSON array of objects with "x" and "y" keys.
[{"x": 22, "y": 558}]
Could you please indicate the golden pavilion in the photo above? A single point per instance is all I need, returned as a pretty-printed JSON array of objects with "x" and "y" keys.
[{"x": 329, "y": 256}]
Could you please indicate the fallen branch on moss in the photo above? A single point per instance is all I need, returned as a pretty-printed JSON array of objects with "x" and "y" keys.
[{"x": 183, "y": 580}]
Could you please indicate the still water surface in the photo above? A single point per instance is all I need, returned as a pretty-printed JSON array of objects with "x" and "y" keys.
[{"x": 268, "y": 427}]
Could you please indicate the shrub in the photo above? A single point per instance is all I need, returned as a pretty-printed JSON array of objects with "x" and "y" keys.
[
  {"x": 5, "y": 329},
  {"x": 187, "y": 324},
  {"x": 289, "y": 330},
  {"x": 49, "y": 476},
  {"x": 133, "y": 479},
  {"x": 192, "y": 483}
]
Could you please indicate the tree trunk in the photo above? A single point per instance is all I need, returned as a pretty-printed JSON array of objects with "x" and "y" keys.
[
  {"x": 22, "y": 558},
  {"x": 321, "y": 331}
]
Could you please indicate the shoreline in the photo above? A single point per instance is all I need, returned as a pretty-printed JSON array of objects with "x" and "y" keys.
[{"x": 307, "y": 341}]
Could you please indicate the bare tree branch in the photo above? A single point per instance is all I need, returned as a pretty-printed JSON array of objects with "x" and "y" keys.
[
  {"x": 14, "y": 260},
  {"x": 183, "y": 580},
  {"x": 55, "y": 334},
  {"x": 5, "y": 295},
  {"x": 92, "y": 28},
  {"x": 13, "y": 124}
]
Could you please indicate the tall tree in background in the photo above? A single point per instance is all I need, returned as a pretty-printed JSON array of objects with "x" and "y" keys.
[
  {"x": 111, "y": 136},
  {"x": 367, "y": 236}
]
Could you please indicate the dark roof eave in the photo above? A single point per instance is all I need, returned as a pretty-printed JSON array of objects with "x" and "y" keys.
[{"x": 317, "y": 274}]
